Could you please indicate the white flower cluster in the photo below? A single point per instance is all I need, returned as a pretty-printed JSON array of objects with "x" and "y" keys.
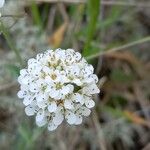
[{"x": 58, "y": 85}]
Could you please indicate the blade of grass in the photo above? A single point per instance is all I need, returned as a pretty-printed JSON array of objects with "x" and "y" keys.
[
  {"x": 93, "y": 7},
  {"x": 114, "y": 14},
  {"x": 36, "y": 15},
  {"x": 99, "y": 131},
  {"x": 146, "y": 39},
  {"x": 10, "y": 42}
]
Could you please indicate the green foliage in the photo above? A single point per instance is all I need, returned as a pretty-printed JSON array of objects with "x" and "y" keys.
[
  {"x": 45, "y": 14},
  {"x": 93, "y": 7},
  {"x": 25, "y": 133},
  {"x": 119, "y": 129},
  {"x": 13, "y": 70},
  {"x": 117, "y": 113},
  {"x": 36, "y": 15},
  {"x": 28, "y": 136},
  {"x": 118, "y": 75},
  {"x": 112, "y": 17},
  {"x": 118, "y": 100}
]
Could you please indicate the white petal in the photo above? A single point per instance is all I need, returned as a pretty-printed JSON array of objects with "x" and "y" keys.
[
  {"x": 46, "y": 69},
  {"x": 20, "y": 79},
  {"x": 68, "y": 104},
  {"x": 42, "y": 100},
  {"x": 36, "y": 71},
  {"x": 70, "y": 117},
  {"x": 88, "y": 80},
  {"x": 94, "y": 76},
  {"x": 54, "y": 93},
  {"x": 89, "y": 103},
  {"x": 40, "y": 83},
  {"x": 71, "y": 88},
  {"x": 78, "y": 119},
  {"x": 27, "y": 100},
  {"x": 65, "y": 90},
  {"x": 40, "y": 116},
  {"x": 77, "y": 56},
  {"x": 42, "y": 122},
  {"x": 60, "y": 109},
  {"x": 42, "y": 104},
  {"x": 69, "y": 50},
  {"x": 29, "y": 110},
  {"x": 20, "y": 94},
  {"x": 89, "y": 70},
  {"x": 51, "y": 126},
  {"x": 58, "y": 118},
  {"x": 59, "y": 96},
  {"x": 78, "y": 98},
  {"x": 52, "y": 106},
  {"x": 25, "y": 80},
  {"x": 85, "y": 111},
  {"x": 48, "y": 79},
  {"x": 77, "y": 82},
  {"x": 91, "y": 89},
  {"x": 42, "y": 97},
  {"x": 33, "y": 88},
  {"x": 23, "y": 72},
  {"x": 32, "y": 61}
]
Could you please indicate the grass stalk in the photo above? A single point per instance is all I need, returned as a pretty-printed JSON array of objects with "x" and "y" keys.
[
  {"x": 10, "y": 42},
  {"x": 134, "y": 43}
]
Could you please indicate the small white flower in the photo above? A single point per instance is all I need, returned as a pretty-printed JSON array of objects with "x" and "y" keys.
[
  {"x": 68, "y": 104},
  {"x": 70, "y": 117},
  {"x": 41, "y": 119},
  {"x": 31, "y": 109},
  {"x": 52, "y": 107},
  {"x": 58, "y": 85}
]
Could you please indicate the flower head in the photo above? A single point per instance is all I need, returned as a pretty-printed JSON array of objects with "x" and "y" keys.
[{"x": 58, "y": 85}]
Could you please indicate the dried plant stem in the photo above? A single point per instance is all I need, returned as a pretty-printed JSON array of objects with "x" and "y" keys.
[
  {"x": 13, "y": 16},
  {"x": 99, "y": 131},
  {"x": 7, "y": 86},
  {"x": 102, "y": 33},
  {"x": 121, "y": 3},
  {"x": 147, "y": 147},
  {"x": 10, "y": 42},
  {"x": 137, "y": 4},
  {"x": 63, "y": 12},
  {"x": 146, "y": 39},
  {"x": 61, "y": 141},
  {"x": 64, "y": 1}
]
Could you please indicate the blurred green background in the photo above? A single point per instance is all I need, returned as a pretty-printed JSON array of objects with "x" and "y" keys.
[{"x": 114, "y": 36}]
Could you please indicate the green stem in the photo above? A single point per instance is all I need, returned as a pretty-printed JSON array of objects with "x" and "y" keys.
[{"x": 10, "y": 42}]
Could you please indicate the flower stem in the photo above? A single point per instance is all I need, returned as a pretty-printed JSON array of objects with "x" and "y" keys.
[{"x": 10, "y": 42}]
